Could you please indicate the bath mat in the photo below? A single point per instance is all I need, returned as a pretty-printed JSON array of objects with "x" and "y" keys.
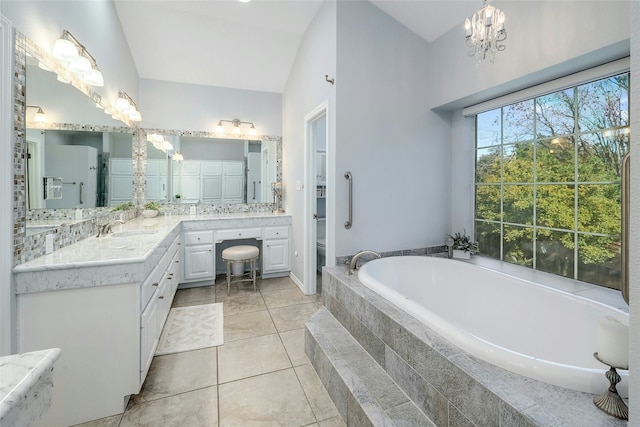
[{"x": 191, "y": 328}]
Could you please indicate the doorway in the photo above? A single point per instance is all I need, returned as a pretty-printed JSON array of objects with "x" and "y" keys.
[{"x": 315, "y": 223}]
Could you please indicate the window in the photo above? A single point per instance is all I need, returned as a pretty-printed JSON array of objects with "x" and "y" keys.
[{"x": 547, "y": 183}]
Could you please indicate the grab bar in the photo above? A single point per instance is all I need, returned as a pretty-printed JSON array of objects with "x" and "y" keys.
[
  {"x": 81, "y": 188},
  {"x": 348, "y": 224},
  {"x": 626, "y": 169}
]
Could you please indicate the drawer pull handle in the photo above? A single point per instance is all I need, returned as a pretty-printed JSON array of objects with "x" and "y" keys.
[
  {"x": 161, "y": 297},
  {"x": 154, "y": 284}
]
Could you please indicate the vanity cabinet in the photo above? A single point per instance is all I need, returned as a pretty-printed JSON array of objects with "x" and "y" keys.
[
  {"x": 163, "y": 283},
  {"x": 198, "y": 256},
  {"x": 202, "y": 247},
  {"x": 276, "y": 256},
  {"x": 107, "y": 320}
]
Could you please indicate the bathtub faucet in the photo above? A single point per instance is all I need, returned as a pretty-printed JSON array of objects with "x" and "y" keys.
[
  {"x": 356, "y": 257},
  {"x": 449, "y": 243}
]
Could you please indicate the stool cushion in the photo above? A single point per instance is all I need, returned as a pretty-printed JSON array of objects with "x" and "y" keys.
[{"x": 240, "y": 252}]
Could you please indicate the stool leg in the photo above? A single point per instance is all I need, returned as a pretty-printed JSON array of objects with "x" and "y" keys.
[
  {"x": 228, "y": 277},
  {"x": 253, "y": 273}
]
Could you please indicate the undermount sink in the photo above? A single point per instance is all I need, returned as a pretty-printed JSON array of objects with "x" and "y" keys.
[{"x": 133, "y": 233}]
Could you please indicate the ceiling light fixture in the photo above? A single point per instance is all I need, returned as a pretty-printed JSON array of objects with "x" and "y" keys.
[
  {"x": 127, "y": 108},
  {"x": 484, "y": 32},
  {"x": 236, "y": 130},
  {"x": 39, "y": 116},
  {"x": 68, "y": 49}
]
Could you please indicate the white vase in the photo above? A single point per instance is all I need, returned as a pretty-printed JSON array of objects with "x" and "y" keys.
[
  {"x": 460, "y": 254},
  {"x": 149, "y": 213}
]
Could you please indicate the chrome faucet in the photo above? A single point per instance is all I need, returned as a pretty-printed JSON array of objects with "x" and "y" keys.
[
  {"x": 449, "y": 243},
  {"x": 356, "y": 257},
  {"x": 105, "y": 229}
]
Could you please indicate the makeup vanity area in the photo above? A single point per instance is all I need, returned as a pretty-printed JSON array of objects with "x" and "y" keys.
[{"x": 104, "y": 300}]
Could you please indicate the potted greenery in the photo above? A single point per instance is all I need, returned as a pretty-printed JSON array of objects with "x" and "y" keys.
[
  {"x": 151, "y": 209},
  {"x": 123, "y": 207},
  {"x": 463, "y": 246}
]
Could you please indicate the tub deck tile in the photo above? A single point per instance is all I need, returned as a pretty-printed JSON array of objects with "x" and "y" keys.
[{"x": 370, "y": 391}]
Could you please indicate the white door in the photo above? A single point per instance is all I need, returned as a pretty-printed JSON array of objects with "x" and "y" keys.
[
  {"x": 254, "y": 178},
  {"x": 315, "y": 139}
]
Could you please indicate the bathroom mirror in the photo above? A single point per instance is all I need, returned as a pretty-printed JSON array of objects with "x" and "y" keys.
[
  {"x": 78, "y": 142},
  {"x": 212, "y": 170}
]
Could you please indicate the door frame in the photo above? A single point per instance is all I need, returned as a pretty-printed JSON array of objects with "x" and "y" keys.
[{"x": 310, "y": 253}]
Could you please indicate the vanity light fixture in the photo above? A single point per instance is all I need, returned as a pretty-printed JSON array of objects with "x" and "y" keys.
[
  {"x": 40, "y": 116},
  {"x": 236, "y": 130},
  {"x": 127, "y": 108},
  {"x": 178, "y": 157},
  {"x": 160, "y": 142},
  {"x": 484, "y": 32},
  {"x": 69, "y": 50}
]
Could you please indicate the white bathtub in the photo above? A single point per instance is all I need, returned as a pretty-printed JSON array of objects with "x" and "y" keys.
[{"x": 524, "y": 327}]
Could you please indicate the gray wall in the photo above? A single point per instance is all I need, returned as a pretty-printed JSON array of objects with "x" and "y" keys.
[
  {"x": 395, "y": 146},
  {"x": 306, "y": 89},
  {"x": 181, "y": 106}
]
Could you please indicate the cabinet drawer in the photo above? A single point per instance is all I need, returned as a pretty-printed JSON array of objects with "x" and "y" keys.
[
  {"x": 276, "y": 232},
  {"x": 243, "y": 233},
  {"x": 198, "y": 237}
]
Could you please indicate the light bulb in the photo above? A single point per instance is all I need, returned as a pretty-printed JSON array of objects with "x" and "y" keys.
[
  {"x": 236, "y": 130},
  {"x": 137, "y": 117},
  {"x": 80, "y": 65},
  {"x": 123, "y": 104},
  {"x": 220, "y": 128},
  {"x": 65, "y": 50},
  {"x": 252, "y": 130},
  {"x": 40, "y": 116},
  {"x": 94, "y": 78}
]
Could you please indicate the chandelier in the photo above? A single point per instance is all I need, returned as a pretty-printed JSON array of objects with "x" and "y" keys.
[{"x": 484, "y": 32}]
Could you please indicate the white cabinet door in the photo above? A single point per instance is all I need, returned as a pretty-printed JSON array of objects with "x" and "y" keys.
[
  {"x": 232, "y": 189},
  {"x": 276, "y": 255},
  {"x": 211, "y": 189},
  {"x": 198, "y": 262},
  {"x": 190, "y": 188},
  {"x": 149, "y": 335}
]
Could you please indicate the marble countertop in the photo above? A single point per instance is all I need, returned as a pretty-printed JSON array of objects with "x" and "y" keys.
[
  {"x": 126, "y": 255},
  {"x": 19, "y": 375}
]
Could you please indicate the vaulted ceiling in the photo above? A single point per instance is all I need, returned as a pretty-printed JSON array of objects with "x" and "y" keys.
[{"x": 248, "y": 45}]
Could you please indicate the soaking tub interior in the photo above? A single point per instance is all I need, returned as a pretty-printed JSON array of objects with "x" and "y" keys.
[{"x": 524, "y": 327}]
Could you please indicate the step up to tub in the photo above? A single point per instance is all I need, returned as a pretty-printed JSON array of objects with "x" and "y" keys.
[{"x": 361, "y": 390}]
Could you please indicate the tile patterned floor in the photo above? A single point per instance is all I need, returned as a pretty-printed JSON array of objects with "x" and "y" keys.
[{"x": 259, "y": 377}]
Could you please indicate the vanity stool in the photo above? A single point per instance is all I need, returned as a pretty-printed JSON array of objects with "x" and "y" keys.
[{"x": 238, "y": 256}]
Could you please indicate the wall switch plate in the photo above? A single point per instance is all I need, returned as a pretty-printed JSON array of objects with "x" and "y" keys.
[
  {"x": 48, "y": 243},
  {"x": 192, "y": 210},
  {"x": 78, "y": 214},
  {"x": 298, "y": 185}
]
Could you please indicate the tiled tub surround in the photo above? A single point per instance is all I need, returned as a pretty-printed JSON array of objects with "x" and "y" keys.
[
  {"x": 449, "y": 386},
  {"x": 89, "y": 300},
  {"x": 26, "y": 387}
]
